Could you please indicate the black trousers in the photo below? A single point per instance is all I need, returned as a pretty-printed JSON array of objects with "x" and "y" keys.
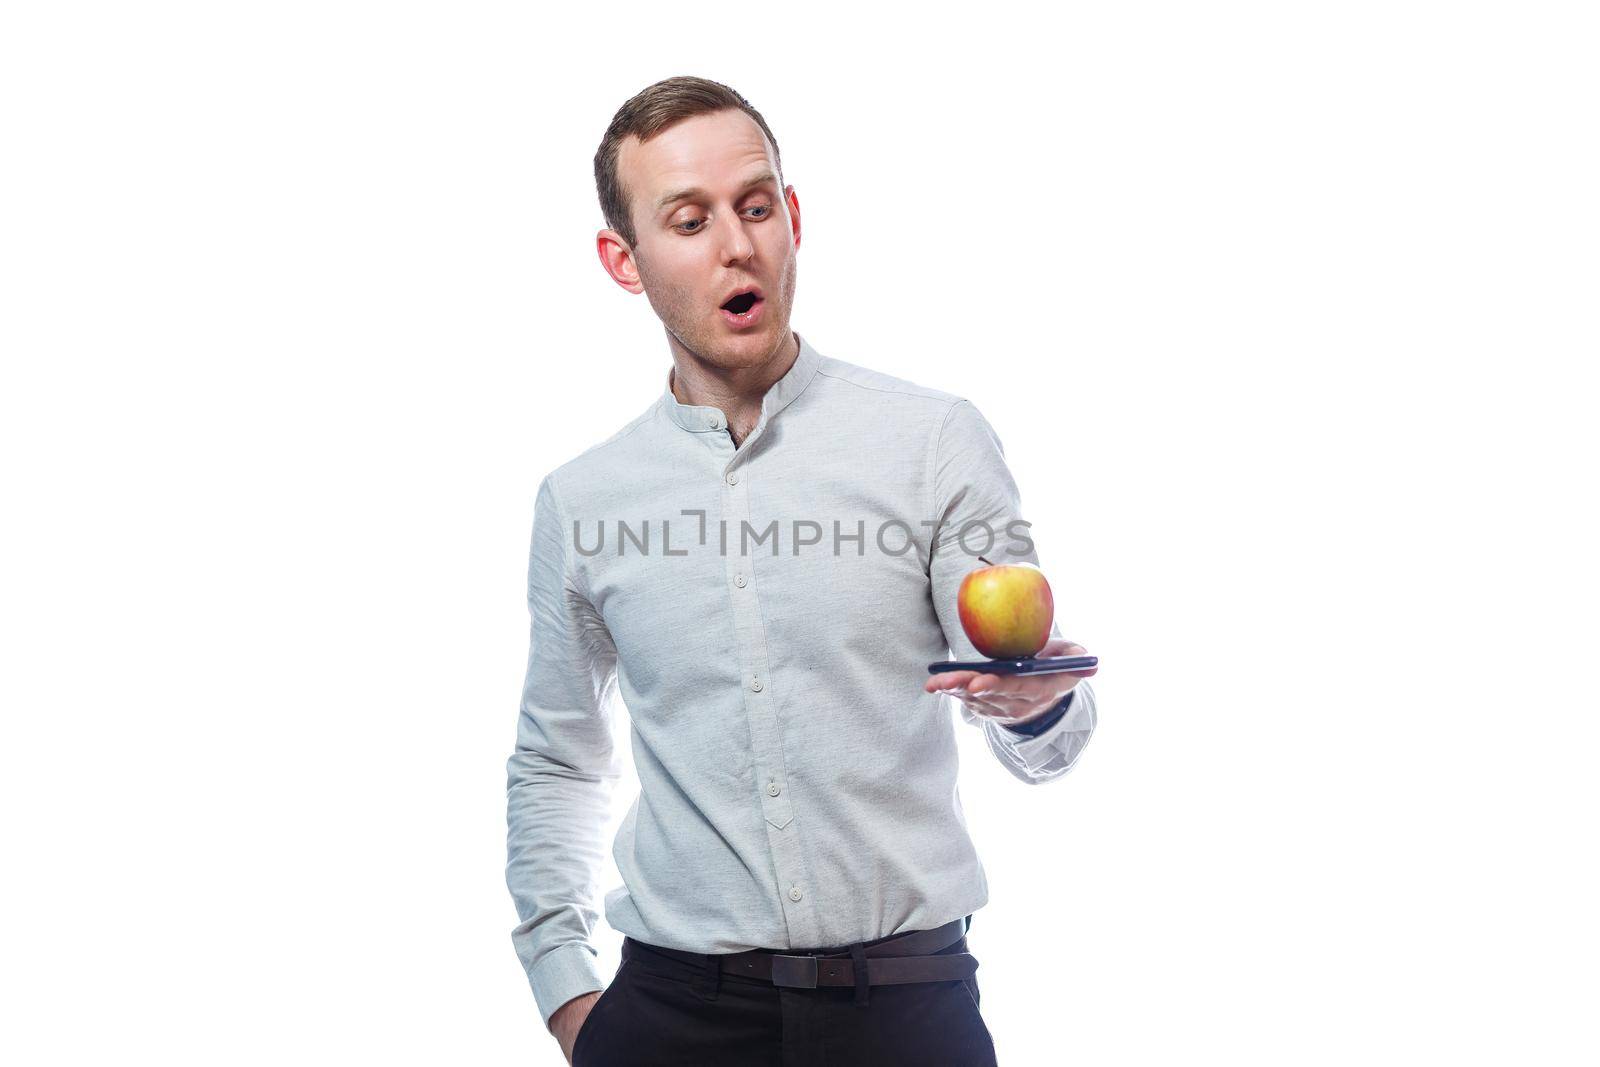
[{"x": 659, "y": 1011}]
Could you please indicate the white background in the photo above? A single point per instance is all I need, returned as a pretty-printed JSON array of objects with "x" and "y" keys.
[{"x": 1285, "y": 314}]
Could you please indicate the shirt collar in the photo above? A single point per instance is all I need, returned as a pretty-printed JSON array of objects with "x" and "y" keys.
[{"x": 702, "y": 418}]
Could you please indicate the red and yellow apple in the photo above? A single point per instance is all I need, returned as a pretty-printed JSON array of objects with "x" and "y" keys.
[{"x": 1006, "y": 609}]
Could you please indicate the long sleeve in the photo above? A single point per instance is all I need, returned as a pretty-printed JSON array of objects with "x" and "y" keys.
[
  {"x": 561, "y": 776},
  {"x": 975, "y": 494}
]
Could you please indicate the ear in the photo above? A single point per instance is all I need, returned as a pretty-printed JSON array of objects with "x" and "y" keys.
[
  {"x": 794, "y": 213},
  {"x": 616, "y": 256}
]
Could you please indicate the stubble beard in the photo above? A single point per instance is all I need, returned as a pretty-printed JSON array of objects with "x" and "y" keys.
[{"x": 693, "y": 330}]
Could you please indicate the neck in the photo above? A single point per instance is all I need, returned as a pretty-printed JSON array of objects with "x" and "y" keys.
[{"x": 735, "y": 391}]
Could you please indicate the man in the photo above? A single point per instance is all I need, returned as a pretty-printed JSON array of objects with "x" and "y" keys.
[{"x": 761, "y": 564}]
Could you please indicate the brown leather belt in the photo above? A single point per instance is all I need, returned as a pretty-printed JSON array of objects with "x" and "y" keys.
[{"x": 895, "y": 961}]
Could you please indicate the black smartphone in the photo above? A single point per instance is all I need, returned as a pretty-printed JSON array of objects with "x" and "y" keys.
[{"x": 1023, "y": 665}]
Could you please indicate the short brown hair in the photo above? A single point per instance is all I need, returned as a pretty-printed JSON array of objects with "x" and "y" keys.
[{"x": 649, "y": 112}]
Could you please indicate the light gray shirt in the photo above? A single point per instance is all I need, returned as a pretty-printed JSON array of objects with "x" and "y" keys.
[{"x": 766, "y": 614}]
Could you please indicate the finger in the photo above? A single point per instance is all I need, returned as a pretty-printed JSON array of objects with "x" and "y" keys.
[
  {"x": 1062, "y": 647},
  {"x": 1024, "y": 687},
  {"x": 948, "y": 680},
  {"x": 985, "y": 683},
  {"x": 972, "y": 700},
  {"x": 1005, "y": 699},
  {"x": 987, "y": 709},
  {"x": 1025, "y": 700}
]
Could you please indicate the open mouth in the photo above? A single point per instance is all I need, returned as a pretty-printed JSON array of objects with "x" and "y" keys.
[
  {"x": 743, "y": 312},
  {"x": 741, "y": 304}
]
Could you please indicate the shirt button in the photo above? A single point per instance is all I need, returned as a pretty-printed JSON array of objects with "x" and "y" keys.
[
  {"x": 733, "y": 478},
  {"x": 795, "y": 894},
  {"x": 773, "y": 789},
  {"x": 716, "y": 423},
  {"x": 739, "y": 581},
  {"x": 755, "y": 684}
]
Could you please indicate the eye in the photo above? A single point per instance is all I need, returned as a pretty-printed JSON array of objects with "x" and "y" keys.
[{"x": 765, "y": 209}]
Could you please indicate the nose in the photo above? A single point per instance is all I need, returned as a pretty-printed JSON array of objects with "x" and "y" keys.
[{"x": 736, "y": 244}]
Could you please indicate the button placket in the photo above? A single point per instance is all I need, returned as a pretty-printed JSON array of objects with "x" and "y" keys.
[{"x": 766, "y": 732}]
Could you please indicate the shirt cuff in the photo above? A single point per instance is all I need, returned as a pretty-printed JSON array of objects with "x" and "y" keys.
[
  {"x": 1035, "y": 727},
  {"x": 566, "y": 971}
]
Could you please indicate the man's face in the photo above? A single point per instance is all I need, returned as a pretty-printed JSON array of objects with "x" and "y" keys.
[{"x": 734, "y": 229}]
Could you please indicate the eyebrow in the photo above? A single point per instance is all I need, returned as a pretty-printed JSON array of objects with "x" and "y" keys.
[{"x": 686, "y": 194}]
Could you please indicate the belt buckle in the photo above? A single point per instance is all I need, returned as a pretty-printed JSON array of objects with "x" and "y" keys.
[{"x": 799, "y": 972}]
